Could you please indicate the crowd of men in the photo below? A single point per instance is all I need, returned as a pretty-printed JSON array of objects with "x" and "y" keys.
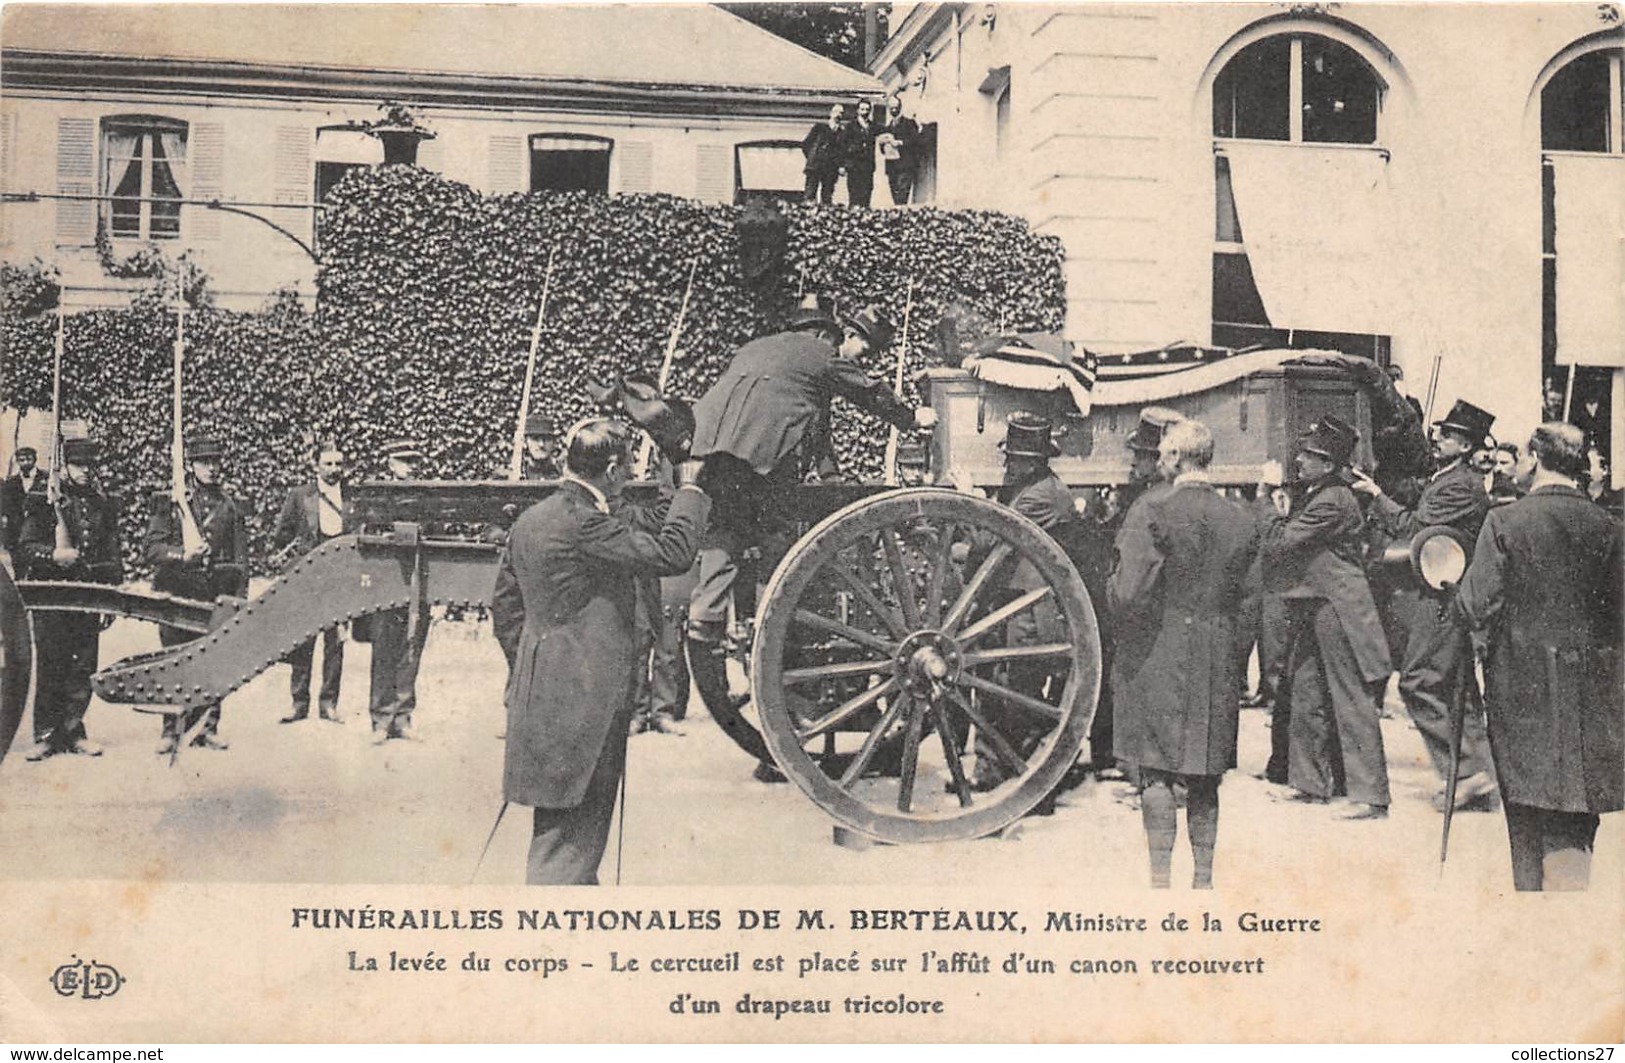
[
  {"x": 592, "y": 611},
  {"x": 847, "y": 145}
]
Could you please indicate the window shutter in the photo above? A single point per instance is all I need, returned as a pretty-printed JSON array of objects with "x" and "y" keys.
[
  {"x": 713, "y": 177},
  {"x": 75, "y": 176},
  {"x": 637, "y": 161},
  {"x": 504, "y": 166},
  {"x": 208, "y": 159},
  {"x": 295, "y": 180}
]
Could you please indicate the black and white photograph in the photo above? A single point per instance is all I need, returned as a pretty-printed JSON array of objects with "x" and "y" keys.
[{"x": 789, "y": 522}]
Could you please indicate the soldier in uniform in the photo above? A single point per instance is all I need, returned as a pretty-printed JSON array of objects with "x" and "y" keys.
[
  {"x": 216, "y": 566},
  {"x": 753, "y": 428},
  {"x": 541, "y": 461},
  {"x": 398, "y": 635},
  {"x": 1542, "y": 597},
  {"x": 1182, "y": 569},
  {"x": 1339, "y": 652},
  {"x": 312, "y": 514},
  {"x": 563, "y": 610},
  {"x": 15, "y": 491},
  {"x": 76, "y": 540},
  {"x": 1435, "y": 649}
]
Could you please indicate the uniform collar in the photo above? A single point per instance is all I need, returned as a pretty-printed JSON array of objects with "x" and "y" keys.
[
  {"x": 1454, "y": 464},
  {"x": 1198, "y": 477}
]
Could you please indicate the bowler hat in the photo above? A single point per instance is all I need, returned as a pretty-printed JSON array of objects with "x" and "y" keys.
[
  {"x": 873, "y": 326},
  {"x": 204, "y": 448},
  {"x": 1154, "y": 421},
  {"x": 540, "y": 424},
  {"x": 669, "y": 422},
  {"x": 401, "y": 450},
  {"x": 1027, "y": 435},
  {"x": 80, "y": 451},
  {"x": 1469, "y": 420},
  {"x": 1331, "y": 437}
]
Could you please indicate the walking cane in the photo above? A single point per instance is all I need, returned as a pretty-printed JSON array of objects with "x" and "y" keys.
[
  {"x": 487, "y": 848},
  {"x": 1465, "y": 690}
]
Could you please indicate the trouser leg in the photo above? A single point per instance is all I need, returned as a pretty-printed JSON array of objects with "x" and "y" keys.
[
  {"x": 860, "y": 187},
  {"x": 299, "y": 663},
  {"x": 1354, "y": 711},
  {"x": 1202, "y": 820},
  {"x": 332, "y": 671},
  {"x": 1272, "y": 643},
  {"x": 1161, "y": 819},
  {"x": 406, "y": 670},
  {"x": 388, "y": 648},
  {"x": 567, "y": 844},
  {"x": 1309, "y": 722},
  {"x": 1523, "y": 839},
  {"x": 901, "y": 180},
  {"x": 1434, "y": 651},
  {"x": 1566, "y": 845},
  {"x": 669, "y": 673},
  {"x": 53, "y": 656}
]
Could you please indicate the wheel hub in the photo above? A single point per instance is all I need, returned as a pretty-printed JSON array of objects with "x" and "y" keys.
[{"x": 926, "y": 660}]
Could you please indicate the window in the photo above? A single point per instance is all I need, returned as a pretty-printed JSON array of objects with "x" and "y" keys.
[
  {"x": 144, "y": 171},
  {"x": 1292, "y": 88},
  {"x": 1582, "y": 110},
  {"x": 769, "y": 169},
  {"x": 569, "y": 162},
  {"x": 340, "y": 149}
]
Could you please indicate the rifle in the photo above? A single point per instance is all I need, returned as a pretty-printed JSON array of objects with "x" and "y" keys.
[
  {"x": 192, "y": 541},
  {"x": 646, "y": 451},
  {"x": 65, "y": 537},
  {"x": 897, "y": 385},
  {"x": 516, "y": 461}
]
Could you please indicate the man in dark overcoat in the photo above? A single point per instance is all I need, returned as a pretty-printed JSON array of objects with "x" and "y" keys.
[
  {"x": 857, "y": 145},
  {"x": 15, "y": 491},
  {"x": 563, "y": 610},
  {"x": 1339, "y": 653},
  {"x": 311, "y": 514},
  {"x": 1178, "y": 585},
  {"x": 75, "y": 540},
  {"x": 398, "y": 635},
  {"x": 822, "y": 149},
  {"x": 1435, "y": 648},
  {"x": 754, "y": 429},
  {"x": 218, "y": 565},
  {"x": 1543, "y": 596}
]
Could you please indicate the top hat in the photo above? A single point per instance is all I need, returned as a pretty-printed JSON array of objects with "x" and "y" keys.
[
  {"x": 402, "y": 450},
  {"x": 811, "y": 313},
  {"x": 873, "y": 326},
  {"x": 1027, "y": 435},
  {"x": 540, "y": 424},
  {"x": 669, "y": 422},
  {"x": 1469, "y": 420},
  {"x": 204, "y": 448},
  {"x": 1331, "y": 437},
  {"x": 1154, "y": 421},
  {"x": 79, "y": 451}
]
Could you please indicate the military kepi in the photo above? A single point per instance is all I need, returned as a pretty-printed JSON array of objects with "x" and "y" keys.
[
  {"x": 1331, "y": 437},
  {"x": 80, "y": 451},
  {"x": 204, "y": 448},
  {"x": 540, "y": 424},
  {"x": 402, "y": 450},
  {"x": 1154, "y": 421},
  {"x": 874, "y": 327},
  {"x": 1469, "y": 420},
  {"x": 1027, "y": 435}
]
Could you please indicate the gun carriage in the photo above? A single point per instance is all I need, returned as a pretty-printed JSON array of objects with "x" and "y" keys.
[{"x": 905, "y": 632}]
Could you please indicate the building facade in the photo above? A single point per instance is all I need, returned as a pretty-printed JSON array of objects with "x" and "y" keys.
[
  {"x": 1436, "y": 184},
  {"x": 159, "y": 108}
]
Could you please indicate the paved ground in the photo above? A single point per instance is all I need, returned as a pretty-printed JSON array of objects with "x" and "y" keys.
[{"x": 316, "y": 802}]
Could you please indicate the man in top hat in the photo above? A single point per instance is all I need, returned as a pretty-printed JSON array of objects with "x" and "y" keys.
[
  {"x": 1435, "y": 648},
  {"x": 753, "y": 428},
  {"x": 311, "y": 514},
  {"x": 1177, "y": 590},
  {"x": 75, "y": 540},
  {"x": 398, "y": 635},
  {"x": 541, "y": 448},
  {"x": 1542, "y": 595},
  {"x": 1098, "y": 539},
  {"x": 218, "y": 565},
  {"x": 1032, "y": 489},
  {"x": 14, "y": 493},
  {"x": 1339, "y": 655}
]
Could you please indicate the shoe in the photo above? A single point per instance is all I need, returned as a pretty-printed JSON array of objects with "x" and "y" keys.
[
  {"x": 41, "y": 751},
  {"x": 295, "y": 716},
  {"x": 331, "y": 715},
  {"x": 1111, "y": 773},
  {"x": 380, "y": 735},
  {"x": 1475, "y": 793},
  {"x": 84, "y": 747},
  {"x": 766, "y": 772},
  {"x": 662, "y": 723},
  {"x": 209, "y": 741},
  {"x": 1255, "y": 701},
  {"x": 168, "y": 746},
  {"x": 1364, "y": 811},
  {"x": 1296, "y": 797}
]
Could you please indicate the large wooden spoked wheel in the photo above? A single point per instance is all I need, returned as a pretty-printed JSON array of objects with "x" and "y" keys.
[
  {"x": 944, "y": 647},
  {"x": 16, "y": 660}
]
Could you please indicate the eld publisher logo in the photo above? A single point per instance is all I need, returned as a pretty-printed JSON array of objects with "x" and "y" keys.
[{"x": 87, "y": 979}]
